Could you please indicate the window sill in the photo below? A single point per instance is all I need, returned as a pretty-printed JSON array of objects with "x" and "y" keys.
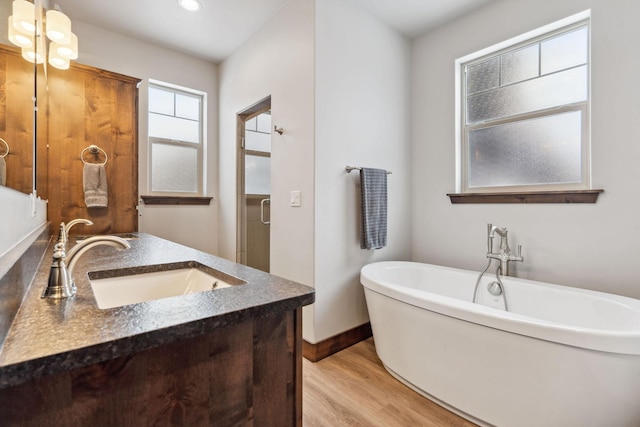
[
  {"x": 175, "y": 200},
  {"x": 570, "y": 196}
]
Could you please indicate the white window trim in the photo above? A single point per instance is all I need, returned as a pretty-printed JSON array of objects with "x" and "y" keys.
[
  {"x": 522, "y": 38},
  {"x": 203, "y": 143}
]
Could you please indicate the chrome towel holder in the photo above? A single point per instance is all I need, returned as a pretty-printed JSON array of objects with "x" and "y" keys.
[{"x": 94, "y": 149}]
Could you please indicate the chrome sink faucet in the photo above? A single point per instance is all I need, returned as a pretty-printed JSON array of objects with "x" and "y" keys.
[
  {"x": 61, "y": 283},
  {"x": 65, "y": 228},
  {"x": 504, "y": 254}
]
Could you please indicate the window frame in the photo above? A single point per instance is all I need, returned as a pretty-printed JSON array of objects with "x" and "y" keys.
[
  {"x": 462, "y": 130},
  {"x": 201, "y": 146}
]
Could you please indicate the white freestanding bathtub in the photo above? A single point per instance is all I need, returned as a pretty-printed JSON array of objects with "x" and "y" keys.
[{"x": 560, "y": 356}]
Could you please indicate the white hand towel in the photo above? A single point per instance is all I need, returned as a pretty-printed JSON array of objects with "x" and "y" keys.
[{"x": 95, "y": 186}]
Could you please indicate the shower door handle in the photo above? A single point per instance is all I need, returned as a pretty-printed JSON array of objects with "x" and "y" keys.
[{"x": 262, "y": 202}]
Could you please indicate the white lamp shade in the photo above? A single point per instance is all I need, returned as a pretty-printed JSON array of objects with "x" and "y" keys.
[
  {"x": 69, "y": 51},
  {"x": 17, "y": 38},
  {"x": 58, "y": 27},
  {"x": 58, "y": 61},
  {"x": 24, "y": 17}
]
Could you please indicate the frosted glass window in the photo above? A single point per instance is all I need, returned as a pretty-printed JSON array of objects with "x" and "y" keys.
[
  {"x": 257, "y": 141},
  {"x": 174, "y": 168},
  {"x": 539, "y": 151},
  {"x": 483, "y": 76},
  {"x": 264, "y": 123},
  {"x": 519, "y": 65},
  {"x": 524, "y": 112},
  {"x": 556, "y": 89},
  {"x": 176, "y": 125},
  {"x": 257, "y": 175},
  {"x": 565, "y": 51},
  {"x": 188, "y": 107},
  {"x": 251, "y": 124},
  {"x": 161, "y": 101},
  {"x": 174, "y": 128}
]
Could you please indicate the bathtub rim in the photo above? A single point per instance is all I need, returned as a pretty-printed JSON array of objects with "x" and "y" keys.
[{"x": 605, "y": 340}]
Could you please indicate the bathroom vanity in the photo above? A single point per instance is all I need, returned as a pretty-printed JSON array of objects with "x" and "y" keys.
[{"x": 227, "y": 356}]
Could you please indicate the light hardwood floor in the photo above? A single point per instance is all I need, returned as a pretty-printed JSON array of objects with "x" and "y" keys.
[{"x": 352, "y": 388}]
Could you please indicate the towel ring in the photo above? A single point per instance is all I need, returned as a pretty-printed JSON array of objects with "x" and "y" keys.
[
  {"x": 6, "y": 144},
  {"x": 94, "y": 149}
]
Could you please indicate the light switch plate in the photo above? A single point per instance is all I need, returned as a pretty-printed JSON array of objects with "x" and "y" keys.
[{"x": 295, "y": 198}]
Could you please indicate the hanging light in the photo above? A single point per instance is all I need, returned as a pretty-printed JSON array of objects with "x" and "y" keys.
[
  {"x": 24, "y": 17},
  {"x": 69, "y": 51},
  {"x": 32, "y": 55},
  {"x": 58, "y": 27},
  {"x": 17, "y": 38},
  {"x": 24, "y": 28},
  {"x": 58, "y": 61}
]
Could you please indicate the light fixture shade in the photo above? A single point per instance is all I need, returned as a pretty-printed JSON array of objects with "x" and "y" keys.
[
  {"x": 32, "y": 56},
  {"x": 57, "y": 61},
  {"x": 24, "y": 17},
  {"x": 69, "y": 51},
  {"x": 58, "y": 27},
  {"x": 17, "y": 38}
]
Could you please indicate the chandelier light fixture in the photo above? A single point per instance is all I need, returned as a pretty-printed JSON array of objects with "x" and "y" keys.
[{"x": 28, "y": 26}]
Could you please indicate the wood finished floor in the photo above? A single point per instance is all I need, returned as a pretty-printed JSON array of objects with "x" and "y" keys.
[{"x": 352, "y": 388}]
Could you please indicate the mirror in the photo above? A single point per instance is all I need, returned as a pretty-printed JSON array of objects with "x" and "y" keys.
[{"x": 18, "y": 120}]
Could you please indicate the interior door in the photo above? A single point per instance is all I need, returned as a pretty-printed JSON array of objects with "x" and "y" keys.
[{"x": 254, "y": 185}]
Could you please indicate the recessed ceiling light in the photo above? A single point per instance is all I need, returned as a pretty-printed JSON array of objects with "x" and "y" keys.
[{"x": 191, "y": 5}]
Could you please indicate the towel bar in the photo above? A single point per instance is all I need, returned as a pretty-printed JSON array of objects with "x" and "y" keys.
[{"x": 350, "y": 168}]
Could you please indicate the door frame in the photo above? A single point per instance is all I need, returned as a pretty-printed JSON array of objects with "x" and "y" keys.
[{"x": 243, "y": 116}]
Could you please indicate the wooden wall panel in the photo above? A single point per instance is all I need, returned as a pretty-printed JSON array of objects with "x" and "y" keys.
[{"x": 87, "y": 106}]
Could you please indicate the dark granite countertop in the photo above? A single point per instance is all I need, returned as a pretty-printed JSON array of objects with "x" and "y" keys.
[{"x": 49, "y": 336}]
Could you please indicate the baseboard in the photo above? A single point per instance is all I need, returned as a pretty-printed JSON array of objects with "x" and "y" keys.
[{"x": 316, "y": 352}]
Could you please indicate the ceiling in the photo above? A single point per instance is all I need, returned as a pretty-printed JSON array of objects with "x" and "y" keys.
[{"x": 221, "y": 26}]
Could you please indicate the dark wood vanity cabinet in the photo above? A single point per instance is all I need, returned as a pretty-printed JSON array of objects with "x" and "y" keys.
[{"x": 247, "y": 374}]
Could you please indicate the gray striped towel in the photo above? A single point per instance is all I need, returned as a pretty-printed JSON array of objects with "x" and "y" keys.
[{"x": 373, "y": 194}]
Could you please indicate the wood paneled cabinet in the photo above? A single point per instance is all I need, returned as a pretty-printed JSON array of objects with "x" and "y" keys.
[{"x": 248, "y": 374}]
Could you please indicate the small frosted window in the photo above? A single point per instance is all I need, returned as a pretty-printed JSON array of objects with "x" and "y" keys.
[
  {"x": 174, "y": 128},
  {"x": 545, "y": 150},
  {"x": 251, "y": 124},
  {"x": 483, "y": 76},
  {"x": 565, "y": 51},
  {"x": 257, "y": 175},
  {"x": 174, "y": 168}
]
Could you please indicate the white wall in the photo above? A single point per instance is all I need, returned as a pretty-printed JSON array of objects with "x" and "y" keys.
[
  {"x": 591, "y": 246},
  {"x": 276, "y": 61},
  {"x": 362, "y": 119},
  {"x": 195, "y": 226}
]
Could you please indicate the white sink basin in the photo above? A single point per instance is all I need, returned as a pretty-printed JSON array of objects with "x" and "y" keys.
[{"x": 128, "y": 289}]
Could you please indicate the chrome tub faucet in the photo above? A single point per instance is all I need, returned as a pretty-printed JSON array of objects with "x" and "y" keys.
[{"x": 504, "y": 253}]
